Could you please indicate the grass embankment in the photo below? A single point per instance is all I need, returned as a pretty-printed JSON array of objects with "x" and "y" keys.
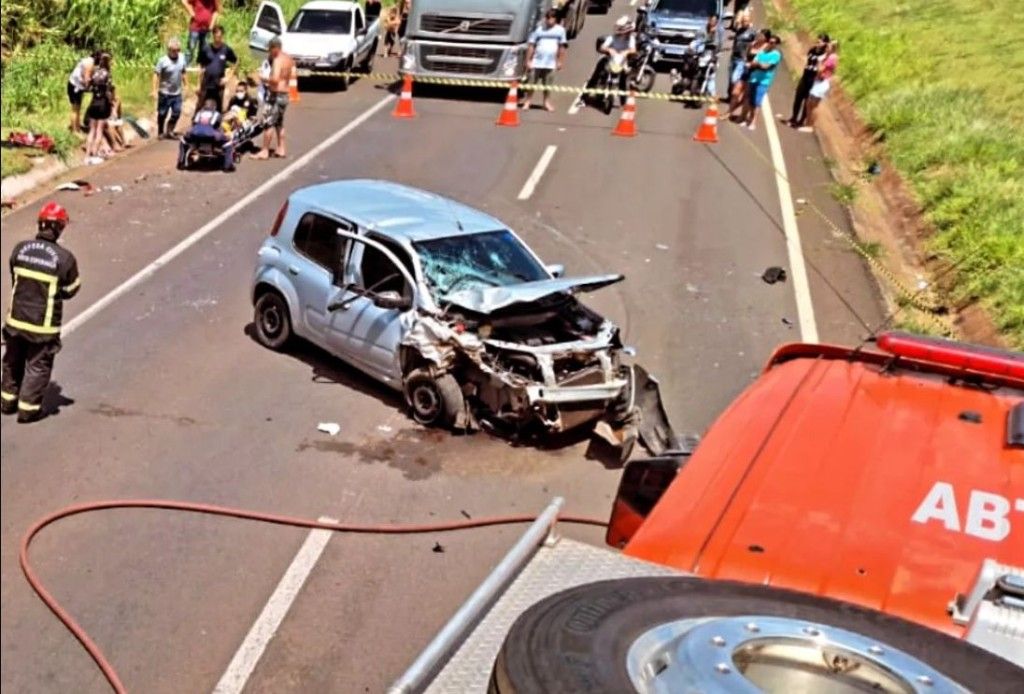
[
  {"x": 945, "y": 96},
  {"x": 44, "y": 39}
]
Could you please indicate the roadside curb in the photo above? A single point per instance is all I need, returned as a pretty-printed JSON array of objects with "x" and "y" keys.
[{"x": 27, "y": 187}]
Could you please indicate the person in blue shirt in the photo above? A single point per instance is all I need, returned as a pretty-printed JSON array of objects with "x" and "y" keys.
[{"x": 761, "y": 73}]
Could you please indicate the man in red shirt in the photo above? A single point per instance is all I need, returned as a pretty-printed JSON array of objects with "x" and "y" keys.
[{"x": 202, "y": 17}]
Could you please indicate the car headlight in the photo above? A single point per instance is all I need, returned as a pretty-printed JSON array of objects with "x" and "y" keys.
[
  {"x": 510, "y": 68},
  {"x": 335, "y": 57},
  {"x": 408, "y": 60}
]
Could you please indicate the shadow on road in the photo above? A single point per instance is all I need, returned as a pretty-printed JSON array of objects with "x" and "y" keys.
[
  {"x": 328, "y": 369},
  {"x": 54, "y": 399}
]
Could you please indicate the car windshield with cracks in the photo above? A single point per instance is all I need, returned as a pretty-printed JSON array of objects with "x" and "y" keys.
[{"x": 489, "y": 259}]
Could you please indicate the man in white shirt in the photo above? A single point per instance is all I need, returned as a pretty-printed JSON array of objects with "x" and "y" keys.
[{"x": 545, "y": 54}]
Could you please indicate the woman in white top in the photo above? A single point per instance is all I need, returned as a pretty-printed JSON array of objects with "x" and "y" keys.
[{"x": 78, "y": 85}]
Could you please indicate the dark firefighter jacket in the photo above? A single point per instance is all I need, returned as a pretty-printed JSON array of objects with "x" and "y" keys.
[{"x": 44, "y": 275}]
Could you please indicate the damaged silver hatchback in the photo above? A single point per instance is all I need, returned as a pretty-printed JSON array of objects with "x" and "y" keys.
[{"x": 448, "y": 305}]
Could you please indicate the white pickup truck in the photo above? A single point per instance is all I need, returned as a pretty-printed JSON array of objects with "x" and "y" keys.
[{"x": 324, "y": 36}]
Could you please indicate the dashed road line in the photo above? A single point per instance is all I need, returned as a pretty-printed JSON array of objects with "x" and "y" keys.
[
  {"x": 240, "y": 668},
  {"x": 538, "y": 172}
]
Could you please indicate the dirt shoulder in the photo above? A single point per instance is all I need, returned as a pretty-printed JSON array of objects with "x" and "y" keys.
[{"x": 885, "y": 214}]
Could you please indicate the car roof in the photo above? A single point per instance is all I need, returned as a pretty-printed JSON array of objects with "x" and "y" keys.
[
  {"x": 815, "y": 477},
  {"x": 395, "y": 210},
  {"x": 336, "y": 5}
]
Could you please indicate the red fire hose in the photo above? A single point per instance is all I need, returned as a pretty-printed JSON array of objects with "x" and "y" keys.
[{"x": 94, "y": 651}]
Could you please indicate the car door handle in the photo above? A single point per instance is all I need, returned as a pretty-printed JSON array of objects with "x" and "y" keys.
[{"x": 293, "y": 270}]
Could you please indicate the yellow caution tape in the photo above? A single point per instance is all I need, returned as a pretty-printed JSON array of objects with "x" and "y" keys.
[{"x": 505, "y": 85}]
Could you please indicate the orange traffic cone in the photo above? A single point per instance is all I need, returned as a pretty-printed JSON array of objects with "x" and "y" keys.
[
  {"x": 403, "y": 109},
  {"x": 293, "y": 90},
  {"x": 510, "y": 112},
  {"x": 626, "y": 127},
  {"x": 708, "y": 130}
]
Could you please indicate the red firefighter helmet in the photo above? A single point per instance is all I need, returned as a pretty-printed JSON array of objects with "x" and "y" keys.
[{"x": 53, "y": 212}]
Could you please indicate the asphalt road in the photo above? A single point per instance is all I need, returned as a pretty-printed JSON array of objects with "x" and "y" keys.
[{"x": 163, "y": 393}]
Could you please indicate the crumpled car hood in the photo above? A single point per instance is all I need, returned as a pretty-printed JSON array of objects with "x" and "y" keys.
[{"x": 490, "y": 299}]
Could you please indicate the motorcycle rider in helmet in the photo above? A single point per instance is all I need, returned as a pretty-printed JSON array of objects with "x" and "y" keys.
[
  {"x": 44, "y": 275},
  {"x": 616, "y": 51}
]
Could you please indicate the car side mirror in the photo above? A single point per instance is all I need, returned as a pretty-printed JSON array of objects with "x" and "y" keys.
[
  {"x": 641, "y": 487},
  {"x": 391, "y": 299},
  {"x": 556, "y": 270}
]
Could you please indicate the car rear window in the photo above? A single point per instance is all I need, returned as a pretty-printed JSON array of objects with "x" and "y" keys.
[{"x": 316, "y": 237}]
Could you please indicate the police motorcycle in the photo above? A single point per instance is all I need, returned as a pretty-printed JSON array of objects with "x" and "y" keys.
[{"x": 695, "y": 76}]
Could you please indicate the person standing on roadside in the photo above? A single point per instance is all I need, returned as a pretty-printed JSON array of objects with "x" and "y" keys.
[
  {"x": 169, "y": 82},
  {"x": 78, "y": 85},
  {"x": 810, "y": 74},
  {"x": 202, "y": 17},
  {"x": 45, "y": 275},
  {"x": 282, "y": 71},
  {"x": 100, "y": 107},
  {"x": 404, "y": 22},
  {"x": 822, "y": 85},
  {"x": 743, "y": 38},
  {"x": 391, "y": 24},
  {"x": 545, "y": 54},
  {"x": 737, "y": 109},
  {"x": 217, "y": 61},
  {"x": 762, "y": 72}
]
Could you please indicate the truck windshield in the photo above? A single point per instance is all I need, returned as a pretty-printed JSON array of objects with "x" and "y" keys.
[
  {"x": 697, "y": 8},
  {"x": 321, "y": 22},
  {"x": 488, "y": 259}
]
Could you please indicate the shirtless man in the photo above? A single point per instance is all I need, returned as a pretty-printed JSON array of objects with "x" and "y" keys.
[{"x": 282, "y": 71}]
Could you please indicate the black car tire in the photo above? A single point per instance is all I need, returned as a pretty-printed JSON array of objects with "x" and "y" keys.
[
  {"x": 433, "y": 402},
  {"x": 346, "y": 80},
  {"x": 367, "y": 66},
  {"x": 273, "y": 322},
  {"x": 577, "y": 640}
]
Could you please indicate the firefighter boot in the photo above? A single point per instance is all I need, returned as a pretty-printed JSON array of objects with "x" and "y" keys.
[{"x": 8, "y": 406}]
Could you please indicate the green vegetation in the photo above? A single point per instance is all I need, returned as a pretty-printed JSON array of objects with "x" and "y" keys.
[
  {"x": 843, "y": 193},
  {"x": 42, "y": 40},
  {"x": 942, "y": 93}
]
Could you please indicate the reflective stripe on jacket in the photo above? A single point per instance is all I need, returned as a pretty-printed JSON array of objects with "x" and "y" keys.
[{"x": 44, "y": 275}]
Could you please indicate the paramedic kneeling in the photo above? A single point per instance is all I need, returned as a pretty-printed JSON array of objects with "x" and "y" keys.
[{"x": 206, "y": 128}]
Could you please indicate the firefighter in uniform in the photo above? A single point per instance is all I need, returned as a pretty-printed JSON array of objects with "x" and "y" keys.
[{"x": 44, "y": 275}]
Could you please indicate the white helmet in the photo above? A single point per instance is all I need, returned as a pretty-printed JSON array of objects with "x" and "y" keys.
[{"x": 624, "y": 24}]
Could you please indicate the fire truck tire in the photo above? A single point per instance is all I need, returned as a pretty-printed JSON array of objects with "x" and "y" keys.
[{"x": 577, "y": 640}]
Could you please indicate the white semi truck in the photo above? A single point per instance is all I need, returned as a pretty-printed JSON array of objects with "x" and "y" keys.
[{"x": 482, "y": 39}]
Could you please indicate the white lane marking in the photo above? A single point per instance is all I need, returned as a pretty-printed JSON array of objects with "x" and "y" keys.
[
  {"x": 189, "y": 241},
  {"x": 576, "y": 105},
  {"x": 538, "y": 171},
  {"x": 263, "y": 629},
  {"x": 801, "y": 286}
]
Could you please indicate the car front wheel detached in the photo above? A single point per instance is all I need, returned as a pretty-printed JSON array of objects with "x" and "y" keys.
[
  {"x": 685, "y": 634},
  {"x": 433, "y": 401},
  {"x": 273, "y": 324}
]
